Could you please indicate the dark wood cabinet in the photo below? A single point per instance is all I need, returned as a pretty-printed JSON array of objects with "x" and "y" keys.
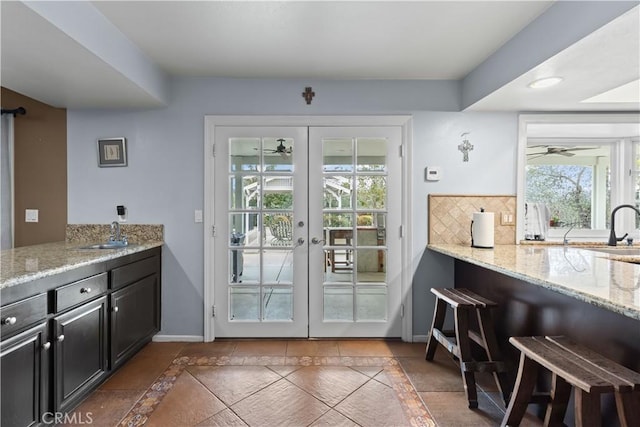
[
  {"x": 25, "y": 377},
  {"x": 80, "y": 352},
  {"x": 135, "y": 317},
  {"x": 68, "y": 333}
]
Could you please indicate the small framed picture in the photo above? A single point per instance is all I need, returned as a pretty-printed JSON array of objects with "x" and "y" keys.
[{"x": 112, "y": 152}]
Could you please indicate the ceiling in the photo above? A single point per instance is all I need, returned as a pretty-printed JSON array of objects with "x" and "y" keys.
[{"x": 89, "y": 54}]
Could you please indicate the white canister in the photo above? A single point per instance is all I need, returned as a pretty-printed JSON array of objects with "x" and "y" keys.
[{"x": 482, "y": 229}]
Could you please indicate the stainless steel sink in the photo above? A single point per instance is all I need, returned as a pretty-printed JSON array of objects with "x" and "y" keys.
[{"x": 107, "y": 245}]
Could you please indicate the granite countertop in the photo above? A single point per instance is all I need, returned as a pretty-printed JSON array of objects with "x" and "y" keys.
[
  {"x": 21, "y": 265},
  {"x": 597, "y": 278}
]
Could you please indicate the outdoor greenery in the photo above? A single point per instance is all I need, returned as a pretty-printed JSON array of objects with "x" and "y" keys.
[{"x": 565, "y": 189}]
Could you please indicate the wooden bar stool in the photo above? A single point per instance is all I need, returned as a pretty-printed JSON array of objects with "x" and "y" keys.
[
  {"x": 458, "y": 342},
  {"x": 571, "y": 364}
]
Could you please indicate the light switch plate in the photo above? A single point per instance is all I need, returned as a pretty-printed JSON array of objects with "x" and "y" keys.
[
  {"x": 31, "y": 215},
  {"x": 197, "y": 217}
]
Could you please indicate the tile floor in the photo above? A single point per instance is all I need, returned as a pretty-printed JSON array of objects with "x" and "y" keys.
[{"x": 290, "y": 383}]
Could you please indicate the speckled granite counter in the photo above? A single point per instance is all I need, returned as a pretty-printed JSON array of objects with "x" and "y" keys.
[
  {"x": 22, "y": 265},
  {"x": 596, "y": 278}
]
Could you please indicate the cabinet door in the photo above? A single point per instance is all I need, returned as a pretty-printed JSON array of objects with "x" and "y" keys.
[
  {"x": 25, "y": 367},
  {"x": 135, "y": 317},
  {"x": 80, "y": 356}
]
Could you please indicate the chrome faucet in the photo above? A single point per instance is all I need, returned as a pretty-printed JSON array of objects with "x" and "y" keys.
[
  {"x": 115, "y": 233},
  {"x": 613, "y": 239}
]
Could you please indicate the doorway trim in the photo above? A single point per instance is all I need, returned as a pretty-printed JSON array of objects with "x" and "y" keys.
[{"x": 403, "y": 121}]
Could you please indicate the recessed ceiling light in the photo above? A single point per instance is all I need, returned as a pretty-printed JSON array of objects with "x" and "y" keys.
[{"x": 545, "y": 82}]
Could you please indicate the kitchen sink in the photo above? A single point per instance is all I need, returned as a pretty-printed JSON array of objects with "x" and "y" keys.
[{"x": 107, "y": 245}]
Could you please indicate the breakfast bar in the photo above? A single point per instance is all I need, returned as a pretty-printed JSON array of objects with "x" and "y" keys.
[{"x": 583, "y": 293}]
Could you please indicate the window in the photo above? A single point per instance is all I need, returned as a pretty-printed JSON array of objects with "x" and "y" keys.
[{"x": 575, "y": 168}]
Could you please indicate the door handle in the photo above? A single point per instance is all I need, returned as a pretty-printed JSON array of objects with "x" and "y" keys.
[
  {"x": 300, "y": 241},
  {"x": 316, "y": 241}
]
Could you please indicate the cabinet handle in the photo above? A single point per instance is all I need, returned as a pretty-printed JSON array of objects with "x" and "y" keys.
[
  {"x": 115, "y": 309},
  {"x": 9, "y": 321},
  {"x": 85, "y": 290},
  {"x": 46, "y": 346},
  {"x": 60, "y": 338}
]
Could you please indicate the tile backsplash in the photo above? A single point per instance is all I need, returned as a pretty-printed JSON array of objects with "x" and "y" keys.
[{"x": 450, "y": 217}]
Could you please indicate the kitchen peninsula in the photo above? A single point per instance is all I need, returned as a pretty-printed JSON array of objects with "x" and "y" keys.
[
  {"x": 70, "y": 317},
  {"x": 591, "y": 297}
]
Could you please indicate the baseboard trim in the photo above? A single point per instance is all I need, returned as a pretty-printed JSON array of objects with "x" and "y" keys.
[
  {"x": 178, "y": 338},
  {"x": 420, "y": 338}
]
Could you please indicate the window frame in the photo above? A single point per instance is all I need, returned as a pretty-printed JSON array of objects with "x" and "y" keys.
[{"x": 622, "y": 168}]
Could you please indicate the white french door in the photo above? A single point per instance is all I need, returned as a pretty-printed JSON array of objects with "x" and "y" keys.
[{"x": 307, "y": 231}]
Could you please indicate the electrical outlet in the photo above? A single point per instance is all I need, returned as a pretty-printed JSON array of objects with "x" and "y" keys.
[{"x": 507, "y": 218}]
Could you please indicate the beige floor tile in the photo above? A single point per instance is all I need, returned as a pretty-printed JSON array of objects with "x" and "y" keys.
[
  {"x": 407, "y": 349},
  {"x": 451, "y": 409},
  {"x": 364, "y": 348},
  {"x": 260, "y": 348},
  {"x": 312, "y": 348},
  {"x": 139, "y": 372},
  {"x": 186, "y": 404},
  {"x": 370, "y": 371},
  {"x": 436, "y": 375},
  {"x": 105, "y": 408},
  {"x": 233, "y": 383},
  {"x": 281, "y": 404},
  {"x": 162, "y": 349},
  {"x": 373, "y": 404},
  {"x": 330, "y": 384},
  {"x": 334, "y": 419},
  {"x": 224, "y": 418},
  {"x": 208, "y": 349}
]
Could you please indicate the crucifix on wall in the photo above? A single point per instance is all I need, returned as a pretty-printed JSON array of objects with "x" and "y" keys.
[{"x": 465, "y": 147}]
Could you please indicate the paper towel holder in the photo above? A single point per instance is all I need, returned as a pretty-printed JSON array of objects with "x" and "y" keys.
[{"x": 483, "y": 245}]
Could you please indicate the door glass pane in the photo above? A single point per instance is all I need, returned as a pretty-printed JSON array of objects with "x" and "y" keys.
[
  {"x": 244, "y": 192},
  {"x": 278, "y": 154},
  {"x": 371, "y": 303},
  {"x": 244, "y": 229},
  {"x": 244, "y": 154},
  {"x": 338, "y": 303},
  {"x": 244, "y": 266},
  {"x": 278, "y": 229},
  {"x": 372, "y": 154},
  {"x": 371, "y": 265},
  {"x": 337, "y": 155},
  {"x": 278, "y": 266},
  {"x": 333, "y": 274},
  {"x": 244, "y": 303},
  {"x": 371, "y": 192},
  {"x": 338, "y": 191},
  {"x": 277, "y": 303},
  {"x": 278, "y": 192}
]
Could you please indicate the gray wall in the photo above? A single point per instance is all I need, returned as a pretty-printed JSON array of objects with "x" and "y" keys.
[{"x": 163, "y": 183}]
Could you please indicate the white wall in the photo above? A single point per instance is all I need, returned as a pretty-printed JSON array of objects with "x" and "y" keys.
[{"x": 163, "y": 183}]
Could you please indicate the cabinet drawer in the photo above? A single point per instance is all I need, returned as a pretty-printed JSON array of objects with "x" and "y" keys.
[
  {"x": 130, "y": 273},
  {"x": 17, "y": 316},
  {"x": 80, "y": 291}
]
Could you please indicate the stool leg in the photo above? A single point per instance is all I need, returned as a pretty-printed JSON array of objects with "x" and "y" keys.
[
  {"x": 522, "y": 391},
  {"x": 438, "y": 322},
  {"x": 587, "y": 408},
  {"x": 487, "y": 332},
  {"x": 557, "y": 408},
  {"x": 628, "y": 405},
  {"x": 464, "y": 347}
]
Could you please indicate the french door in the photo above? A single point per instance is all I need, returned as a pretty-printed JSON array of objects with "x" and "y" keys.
[{"x": 307, "y": 231}]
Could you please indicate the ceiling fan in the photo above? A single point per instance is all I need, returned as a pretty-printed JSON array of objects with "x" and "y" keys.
[
  {"x": 562, "y": 151},
  {"x": 280, "y": 149}
]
